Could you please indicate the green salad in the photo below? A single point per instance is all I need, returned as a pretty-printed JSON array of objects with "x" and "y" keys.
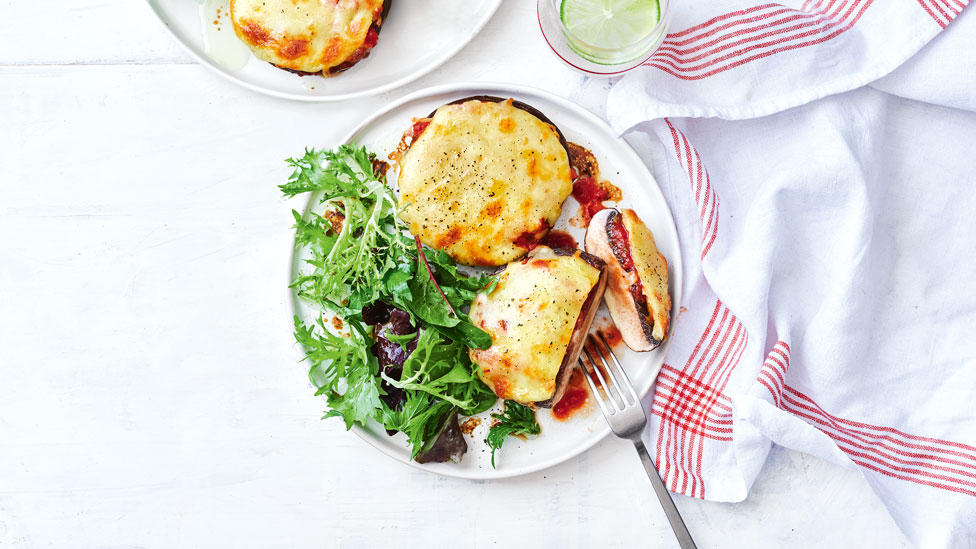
[{"x": 398, "y": 353}]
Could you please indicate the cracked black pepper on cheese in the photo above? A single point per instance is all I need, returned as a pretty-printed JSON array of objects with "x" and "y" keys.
[
  {"x": 484, "y": 180},
  {"x": 308, "y": 36}
]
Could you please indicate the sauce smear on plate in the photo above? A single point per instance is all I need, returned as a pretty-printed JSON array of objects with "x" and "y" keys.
[
  {"x": 590, "y": 197},
  {"x": 589, "y": 188},
  {"x": 574, "y": 399}
]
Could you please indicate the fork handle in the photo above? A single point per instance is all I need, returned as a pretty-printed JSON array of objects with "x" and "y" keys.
[{"x": 678, "y": 525}]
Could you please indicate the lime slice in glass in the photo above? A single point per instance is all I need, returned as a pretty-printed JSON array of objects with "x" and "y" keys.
[{"x": 610, "y": 24}]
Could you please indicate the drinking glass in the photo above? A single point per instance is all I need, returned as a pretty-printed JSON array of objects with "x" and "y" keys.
[{"x": 596, "y": 60}]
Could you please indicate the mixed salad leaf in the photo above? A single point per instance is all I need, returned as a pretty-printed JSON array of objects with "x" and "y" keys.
[
  {"x": 401, "y": 358},
  {"x": 516, "y": 420}
]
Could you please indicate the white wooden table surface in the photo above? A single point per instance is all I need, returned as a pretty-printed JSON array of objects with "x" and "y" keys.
[{"x": 149, "y": 395}]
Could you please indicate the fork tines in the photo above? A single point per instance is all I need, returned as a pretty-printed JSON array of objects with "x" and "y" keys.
[{"x": 619, "y": 388}]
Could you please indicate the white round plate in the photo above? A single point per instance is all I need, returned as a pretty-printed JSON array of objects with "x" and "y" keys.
[
  {"x": 560, "y": 440},
  {"x": 417, "y": 36}
]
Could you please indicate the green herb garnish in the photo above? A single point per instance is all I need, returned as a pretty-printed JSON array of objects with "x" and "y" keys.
[{"x": 516, "y": 419}]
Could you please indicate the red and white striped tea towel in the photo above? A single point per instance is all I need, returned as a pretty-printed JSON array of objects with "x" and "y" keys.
[
  {"x": 742, "y": 59},
  {"x": 830, "y": 256}
]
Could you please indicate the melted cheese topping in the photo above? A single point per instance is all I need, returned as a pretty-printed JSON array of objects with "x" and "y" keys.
[
  {"x": 652, "y": 269},
  {"x": 531, "y": 316},
  {"x": 483, "y": 181},
  {"x": 304, "y": 35}
]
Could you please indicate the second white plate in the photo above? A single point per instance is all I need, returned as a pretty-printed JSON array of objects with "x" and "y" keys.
[{"x": 417, "y": 36}]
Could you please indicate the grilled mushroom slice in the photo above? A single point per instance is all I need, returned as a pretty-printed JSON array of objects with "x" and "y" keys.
[
  {"x": 538, "y": 316},
  {"x": 637, "y": 279}
]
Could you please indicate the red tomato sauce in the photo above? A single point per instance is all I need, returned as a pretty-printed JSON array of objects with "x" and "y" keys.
[
  {"x": 560, "y": 239},
  {"x": 419, "y": 126},
  {"x": 590, "y": 196},
  {"x": 372, "y": 37},
  {"x": 574, "y": 399},
  {"x": 530, "y": 239},
  {"x": 612, "y": 334},
  {"x": 620, "y": 243}
]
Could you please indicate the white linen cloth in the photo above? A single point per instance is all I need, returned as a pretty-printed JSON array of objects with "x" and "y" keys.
[{"x": 829, "y": 249}]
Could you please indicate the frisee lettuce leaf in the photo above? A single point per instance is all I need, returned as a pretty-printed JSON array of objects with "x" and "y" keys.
[
  {"x": 349, "y": 265},
  {"x": 371, "y": 258},
  {"x": 334, "y": 358}
]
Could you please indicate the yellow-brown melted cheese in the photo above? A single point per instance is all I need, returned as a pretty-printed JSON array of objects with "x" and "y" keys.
[
  {"x": 484, "y": 182},
  {"x": 531, "y": 315},
  {"x": 652, "y": 269},
  {"x": 304, "y": 35}
]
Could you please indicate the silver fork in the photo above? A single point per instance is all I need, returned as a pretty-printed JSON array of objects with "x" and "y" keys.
[{"x": 625, "y": 414}]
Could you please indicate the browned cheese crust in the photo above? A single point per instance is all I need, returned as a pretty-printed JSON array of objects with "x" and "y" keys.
[{"x": 308, "y": 36}]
